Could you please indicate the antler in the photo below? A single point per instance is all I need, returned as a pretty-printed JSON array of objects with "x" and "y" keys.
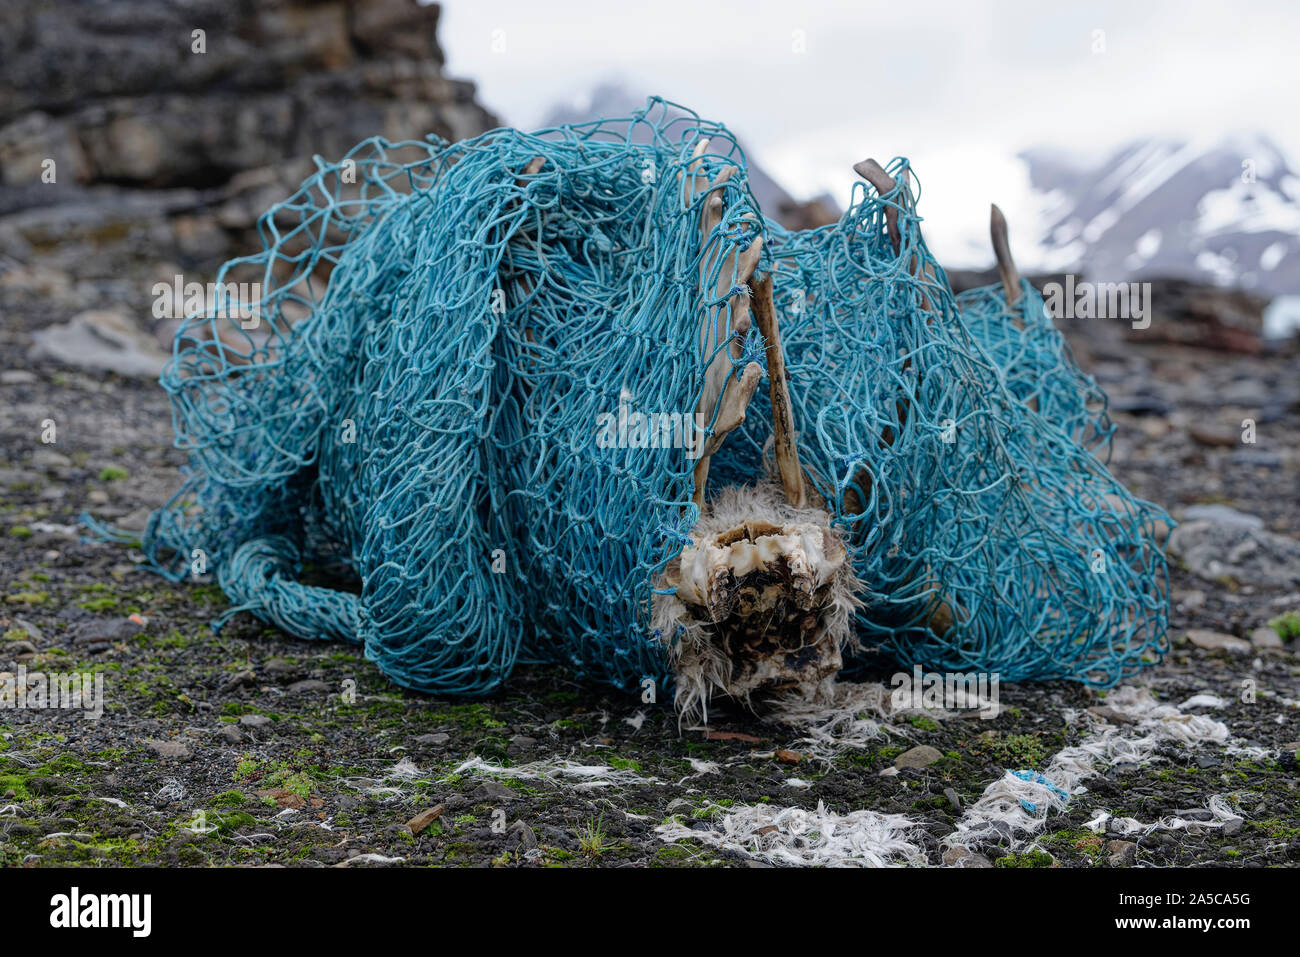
[
  {"x": 1002, "y": 250},
  {"x": 727, "y": 395},
  {"x": 787, "y": 454}
]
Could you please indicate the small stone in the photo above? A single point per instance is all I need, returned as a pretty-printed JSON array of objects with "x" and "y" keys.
[
  {"x": 1111, "y": 715},
  {"x": 1218, "y": 641},
  {"x": 918, "y": 757},
  {"x": 238, "y": 680},
  {"x": 17, "y": 377},
  {"x": 433, "y": 740},
  {"x": 426, "y": 817},
  {"x": 490, "y": 791},
  {"x": 1189, "y": 600},
  {"x": 309, "y": 686},
  {"x": 177, "y": 750},
  {"x": 282, "y": 797},
  {"x": 230, "y": 733},
  {"x": 953, "y": 798},
  {"x": 33, "y": 632},
  {"x": 1232, "y": 826},
  {"x": 254, "y": 720},
  {"x": 1221, "y": 514},
  {"x": 963, "y": 857},
  {"x": 1265, "y": 637},
  {"x": 19, "y": 648},
  {"x": 97, "y": 496},
  {"x": 1122, "y": 853},
  {"x": 788, "y": 757},
  {"x": 524, "y": 834},
  {"x": 48, "y": 459},
  {"x": 1195, "y": 814},
  {"x": 278, "y": 666},
  {"x": 1221, "y": 436}
]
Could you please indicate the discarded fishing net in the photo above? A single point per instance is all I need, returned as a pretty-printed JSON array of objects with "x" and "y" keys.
[{"x": 484, "y": 390}]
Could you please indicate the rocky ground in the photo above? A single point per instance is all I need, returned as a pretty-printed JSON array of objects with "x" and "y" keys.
[{"x": 250, "y": 747}]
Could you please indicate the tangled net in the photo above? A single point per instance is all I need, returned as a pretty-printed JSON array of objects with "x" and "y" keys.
[{"x": 404, "y": 451}]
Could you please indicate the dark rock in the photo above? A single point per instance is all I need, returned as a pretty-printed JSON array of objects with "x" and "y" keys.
[
  {"x": 175, "y": 750},
  {"x": 238, "y": 680},
  {"x": 107, "y": 631},
  {"x": 1121, "y": 853},
  {"x": 309, "y": 686}
]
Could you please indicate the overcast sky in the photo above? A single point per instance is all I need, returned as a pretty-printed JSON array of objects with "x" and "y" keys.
[{"x": 957, "y": 87}]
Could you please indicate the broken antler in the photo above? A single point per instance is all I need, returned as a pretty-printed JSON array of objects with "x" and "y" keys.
[
  {"x": 728, "y": 322},
  {"x": 1002, "y": 250},
  {"x": 783, "y": 438}
]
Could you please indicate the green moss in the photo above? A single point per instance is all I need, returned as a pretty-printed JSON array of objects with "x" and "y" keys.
[
  {"x": 1016, "y": 750},
  {"x": 1027, "y": 859},
  {"x": 112, "y": 473},
  {"x": 99, "y": 604},
  {"x": 230, "y": 799},
  {"x": 16, "y": 783},
  {"x": 28, "y": 598},
  {"x": 924, "y": 723},
  {"x": 20, "y": 531},
  {"x": 1287, "y": 625}
]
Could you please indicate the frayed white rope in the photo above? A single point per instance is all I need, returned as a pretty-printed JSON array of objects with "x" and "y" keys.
[
  {"x": 794, "y": 836},
  {"x": 1020, "y": 801},
  {"x": 1126, "y": 826},
  {"x": 369, "y": 859},
  {"x": 841, "y": 716},
  {"x": 586, "y": 776}
]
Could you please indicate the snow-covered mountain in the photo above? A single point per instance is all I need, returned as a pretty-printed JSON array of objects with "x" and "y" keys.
[{"x": 1226, "y": 212}]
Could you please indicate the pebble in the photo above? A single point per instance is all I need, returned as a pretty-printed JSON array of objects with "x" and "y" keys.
[
  {"x": 178, "y": 750},
  {"x": 1265, "y": 637},
  {"x": 955, "y": 856},
  {"x": 17, "y": 377},
  {"x": 278, "y": 666},
  {"x": 309, "y": 686},
  {"x": 254, "y": 720},
  {"x": 1208, "y": 433},
  {"x": 433, "y": 740},
  {"x": 524, "y": 834},
  {"x": 237, "y": 680},
  {"x": 1122, "y": 853},
  {"x": 230, "y": 733},
  {"x": 48, "y": 459},
  {"x": 426, "y": 817},
  {"x": 1218, "y": 641},
  {"x": 101, "y": 631},
  {"x": 918, "y": 757},
  {"x": 1222, "y": 514},
  {"x": 1214, "y": 550},
  {"x": 494, "y": 791}
]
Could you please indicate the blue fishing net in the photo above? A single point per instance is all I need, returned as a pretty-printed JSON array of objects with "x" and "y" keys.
[{"x": 402, "y": 449}]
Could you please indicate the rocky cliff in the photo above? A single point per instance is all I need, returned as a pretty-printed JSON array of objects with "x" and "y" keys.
[{"x": 140, "y": 139}]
